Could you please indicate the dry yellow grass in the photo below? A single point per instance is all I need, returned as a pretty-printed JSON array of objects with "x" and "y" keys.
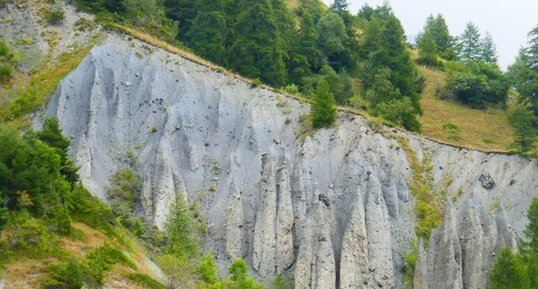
[
  {"x": 26, "y": 273},
  {"x": 30, "y": 273},
  {"x": 453, "y": 123},
  {"x": 79, "y": 248}
]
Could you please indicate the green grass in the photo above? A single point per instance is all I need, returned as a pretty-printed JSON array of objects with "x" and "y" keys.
[
  {"x": 456, "y": 124},
  {"x": 30, "y": 93}
]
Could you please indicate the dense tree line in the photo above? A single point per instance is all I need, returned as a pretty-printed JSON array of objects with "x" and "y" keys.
[
  {"x": 265, "y": 40},
  {"x": 36, "y": 176},
  {"x": 470, "y": 60}
]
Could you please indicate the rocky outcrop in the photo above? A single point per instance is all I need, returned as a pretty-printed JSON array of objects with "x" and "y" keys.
[{"x": 334, "y": 210}]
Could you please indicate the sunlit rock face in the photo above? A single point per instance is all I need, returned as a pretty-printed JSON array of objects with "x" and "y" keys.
[{"x": 332, "y": 210}]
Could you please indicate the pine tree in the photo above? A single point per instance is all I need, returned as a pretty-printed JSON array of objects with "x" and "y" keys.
[
  {"x": 524, "y": 74},
  {"x": 469, "y": 43},
  {"x": 308, "y": 43},
  {"x": 523, "y": 123},
  {"x": 427, "y": 50},
  {"x": 438, "y": 30},
  {"x": 531, "y": 87},
  {"x": 182, "y": 11},
  {"x": 181, "y": 230},
  {"x": 51, "y": 134},
  {"x": 208, "y": 32},
  {"x": 508, "y": 272},
  {"x": 340, "y": 6},
  {"x": 323, "y": 110},
  {"x": 488, "y": 49},
  {"x": 257, "y": 50}
]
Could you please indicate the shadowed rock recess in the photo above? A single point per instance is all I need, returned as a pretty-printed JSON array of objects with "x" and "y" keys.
[{"x": 332, "y": 211}]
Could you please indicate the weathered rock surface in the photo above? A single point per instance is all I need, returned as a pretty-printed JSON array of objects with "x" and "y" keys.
[{"x": 333, "y": 211}]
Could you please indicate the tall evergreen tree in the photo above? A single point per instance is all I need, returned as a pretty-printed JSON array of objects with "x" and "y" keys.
[
  {"x": 469, "y": 43},
  {"x": 488, "y": 49},
  {"x": 524, "y": 74},
  {"x": 182, "y": 11},
  {"x": 308, "y": 42},
  {"x": 442, "y": 38},
  {"x": 323, "y": 110},
  {"x": 508, "y": 272},
  {"x": 208, "y": 31},
  {"x": 438, "y": 30},
  {"x": 531, "y": 88},
  {"x": 340, "y": 6},
  {"x": 427, "y": 50},
  {"x": 257, "y": 50}
]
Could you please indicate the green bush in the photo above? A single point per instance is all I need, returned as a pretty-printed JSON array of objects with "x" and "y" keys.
[
  {"x": 508, "y": 272},
  {"x": 69, "y": 275},
  {"x": 207, "y": 269},
  {"x": 101, "y": 259},
  {"x": 323, "y": 110},
  {"x": 89, "y": 210},
  {"x": 54, "y": 16},
  {"x": 5, "y": 72},
  {"x": 238, "y": 278},
  {"x": 476, "y": 84},
  {"x": 28, "y": 236},
  {"x": 145, "y": 281},
  {"x": 124, "y": 188},
  {"x": 399, "y": 112}
]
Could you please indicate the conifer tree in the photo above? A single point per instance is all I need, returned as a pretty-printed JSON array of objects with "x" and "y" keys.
[
  {"x": 340, "y": 6},
  {"x": 208, "y": 32},
  {"x": 488, "y": 49},
  {"x": 323, "y": 110},
  {"x": 182, "y": 11},
  {"x": 427, "y": 50},
  {"x": 257, "y": 50},
  {"x": 469, "y": 43},
  {"x": 508, "y": 272},
  {"x": 308, "y": 42},
  {"x": 438, "y": 30}
]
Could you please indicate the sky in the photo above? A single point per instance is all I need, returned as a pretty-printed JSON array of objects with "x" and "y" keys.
[{"x": 507, "y": 21}]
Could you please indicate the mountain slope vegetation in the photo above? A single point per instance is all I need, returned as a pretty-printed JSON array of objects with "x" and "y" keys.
[{"x": 364, "y": 57}]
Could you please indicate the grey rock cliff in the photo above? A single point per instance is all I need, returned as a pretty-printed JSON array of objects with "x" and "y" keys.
[{"x": 230, "y": 147}]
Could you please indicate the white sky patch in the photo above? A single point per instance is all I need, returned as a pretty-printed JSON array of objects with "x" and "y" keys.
[{"x": 507, "y": 21}]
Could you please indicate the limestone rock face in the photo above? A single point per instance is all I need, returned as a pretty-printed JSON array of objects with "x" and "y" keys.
[{"x": 333, "y": 211}]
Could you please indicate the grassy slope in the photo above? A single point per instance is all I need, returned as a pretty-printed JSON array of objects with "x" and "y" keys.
[
  {"x": 31, "y": 273},
  {"x": 460, "y": 125}
]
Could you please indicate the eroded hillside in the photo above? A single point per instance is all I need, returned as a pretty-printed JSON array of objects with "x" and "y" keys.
[{"x": 334, "y": 210}]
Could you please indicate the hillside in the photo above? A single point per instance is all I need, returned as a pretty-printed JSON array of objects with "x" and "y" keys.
[
  {"x": 219, "y": 155},
  {"x": 454, "y": 123},
  {"x": 355, "y": 205},
  {"x": 31, "y": 272}
]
